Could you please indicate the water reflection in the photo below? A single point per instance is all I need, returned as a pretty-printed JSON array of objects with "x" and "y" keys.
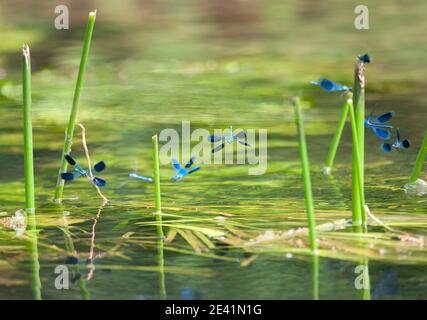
[
  {"x": 82, "y": 266},
  {"x": 90, "y": 260},
  {"x": 315, "y": 276},
  {"x": 363, "y": 279},
  {"x": 32, "y": 233},
  {"x": 386, "y": 286},
  {"x": 72, "y": 256},
  {"x": 160, "y": 256}
]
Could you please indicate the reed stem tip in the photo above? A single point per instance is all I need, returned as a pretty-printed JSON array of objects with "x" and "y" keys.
[{"x": 26, "y": 50}]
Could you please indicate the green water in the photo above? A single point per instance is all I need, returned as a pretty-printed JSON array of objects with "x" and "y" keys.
[{"x": 221, "y": 63}]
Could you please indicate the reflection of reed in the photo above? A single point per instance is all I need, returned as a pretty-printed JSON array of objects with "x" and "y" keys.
[
  {"x": 366, "y": 291},
  {"x": 91, "y": 265},
  {"x": 363, "y": 261},
  {"x": 315, "y": 276},
  {"x": 336, "y": 191},
  {"x": 160, "y": 257},
  {"x": 34, "y": 257},
  {"x": 71, "y": 251}
]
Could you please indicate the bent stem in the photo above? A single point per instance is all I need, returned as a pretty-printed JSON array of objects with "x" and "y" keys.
[
  {"x": 104, "y": 198},
  {"x": 336, "y": 139},
  {"x": 73, "y": 115},
  {"x": 419, "y": 162},
  {"x": 306, "y": 176},
  {"x": 28, "y": 131}
]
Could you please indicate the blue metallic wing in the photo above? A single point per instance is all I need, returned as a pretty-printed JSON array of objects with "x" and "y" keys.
[
  {"x": 176, "y": 178},
  {"x": 70, "y": 159},
  {"x": 386, "y": 147},
  {"x": 330, "y": 86},
  {"x": 137, "y": 176},
  {"x": 218, "y": 147},
  {"x": 99, "y": 166},
  {"x": 68, "y": 176},
  {"x": 244, "y": 143},
  {"x": 240, "y": 135},
  {"x": 215, "y": 138},
  {"x": 176, "y": 165},
  {"x": 381, "y": 133},
  {"x": 190, "y": 162},
  {"x": 194, "y": 169},
  {"x": 385, "y": 117},
  {"x": 99, "y": 182}
]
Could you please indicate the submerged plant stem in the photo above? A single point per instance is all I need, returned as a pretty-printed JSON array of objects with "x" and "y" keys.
[
  {"x": 419, "y": 162},
  {"x": 28, "y": 131},
  {"x": 336, "y": 139},
  {"x": 306, "y": 176},
  {"x": 73, "y": 115}
]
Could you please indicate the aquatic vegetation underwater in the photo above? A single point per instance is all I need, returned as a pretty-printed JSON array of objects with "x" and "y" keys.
[{"x": 292, "y": 232}]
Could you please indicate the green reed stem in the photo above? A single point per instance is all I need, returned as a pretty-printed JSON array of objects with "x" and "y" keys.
[
  {"x": 336, "y": 139},
  {"x": 73, "y": 115},
  {"x": 158, "y": 202},
  {"x": 158, "y": 205},
  {"x": 306, "y": 175},
  {"x": 356, "y": 150},
  {"x": 358, "y": 216},
  {"x": 419, "y": 162},
  {"x": 28, "y": 131}
]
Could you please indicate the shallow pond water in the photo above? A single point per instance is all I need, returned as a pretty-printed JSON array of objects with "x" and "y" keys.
[{"x": 156, "y": 64}]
